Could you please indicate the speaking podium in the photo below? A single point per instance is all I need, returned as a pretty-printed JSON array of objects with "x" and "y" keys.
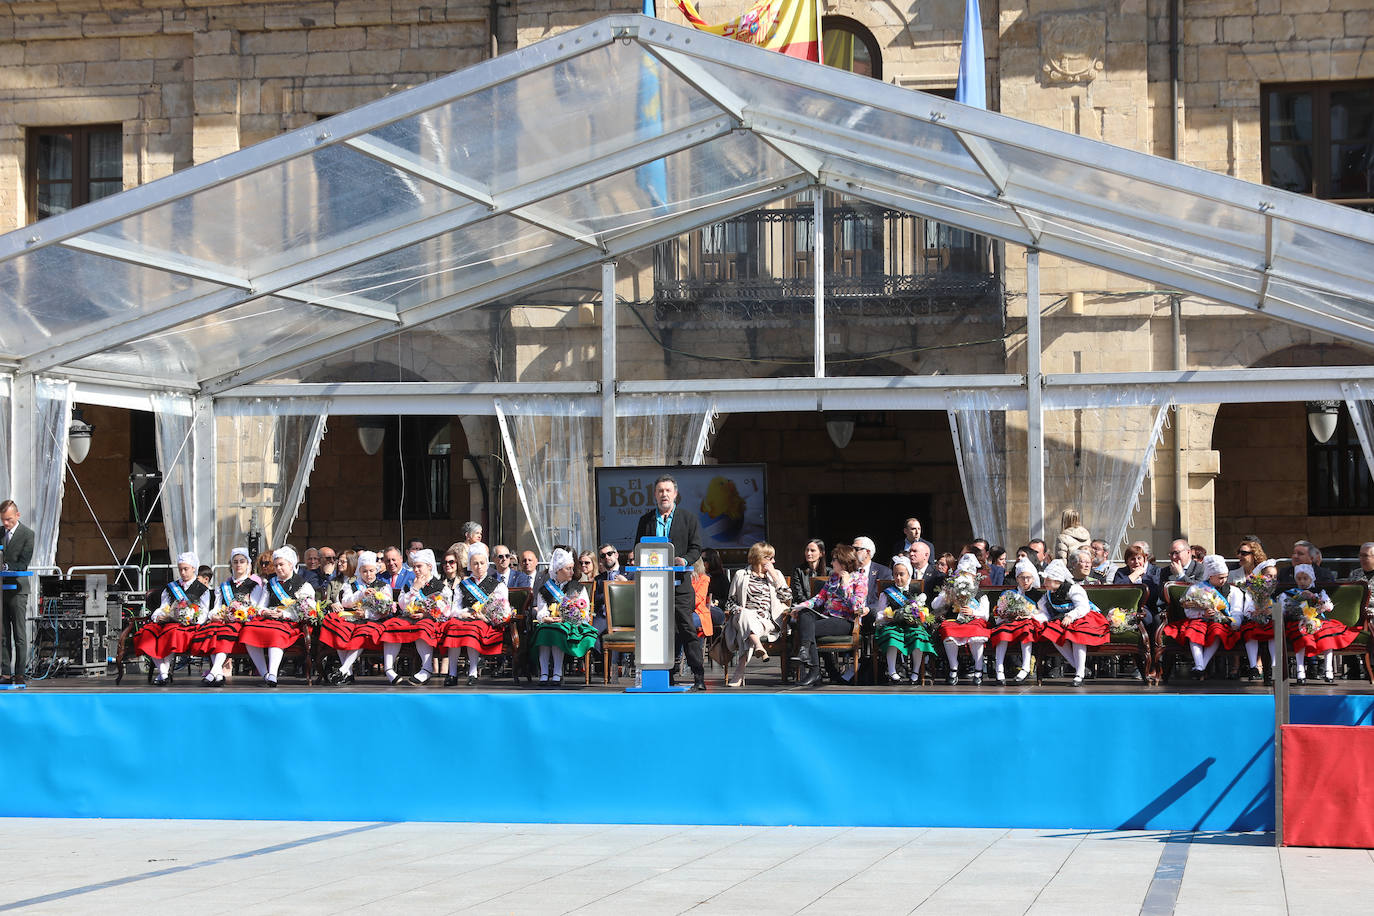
[{"x": 655, "y": 627}]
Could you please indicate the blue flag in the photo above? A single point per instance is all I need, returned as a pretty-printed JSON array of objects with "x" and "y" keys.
[
  {"x": 652, "y": 177},
  {"x": 972, "y": 88}
]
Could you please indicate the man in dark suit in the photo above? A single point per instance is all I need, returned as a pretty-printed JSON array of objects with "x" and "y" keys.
[
  {"x": 924, "y": 571},
  {"x": 911, "y": 534},
  {"x": 684, "y": 531},
  {"x": 524, "y": 576},
  {"x": 17, "y": 539},
  {"x": 875, "y": 572},
  {"x": 1309, "y": 553}
]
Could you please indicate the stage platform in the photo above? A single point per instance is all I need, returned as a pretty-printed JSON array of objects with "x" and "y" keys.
[{"x": 1115, "y": 755}]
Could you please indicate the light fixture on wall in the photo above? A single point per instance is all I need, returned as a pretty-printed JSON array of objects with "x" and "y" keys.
[
  {"x": 1322, "y": 417},
  {"x": 371, "y": 432},
  {"x": 79, "y": 437},
  {"x": 840, "y": 428}
]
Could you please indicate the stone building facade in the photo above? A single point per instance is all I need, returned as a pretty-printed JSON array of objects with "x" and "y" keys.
[{"x": 180, "y": 82}]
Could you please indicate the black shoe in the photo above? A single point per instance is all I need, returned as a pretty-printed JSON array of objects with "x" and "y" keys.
[
  {"x": 157, "y": 682},
  {"x": 344, "y": 681},
  {"x": 543, "y": 683},
  {"x": 556, "y": 682},
  {"x": 400, "y": 680},
  {"x": 1328, "y": 679},
  {"x": 207, "y": 682},
  {"x": 1001, "y": 682},
  {"x": 952, "y": 680},
  {"x": 1253, "y": 674},
  {"x": 894, "y": 679},
  {"x": 977, "y": 680},
  {"x": 698, "y": 685},
  {"x": 1198, "y": 674},
  {"x": 450, "y": 680},
  {"x": 1078, "y": 682},
  {"x": 1268, "y": 678},
  {"x": 270, "y": 683},
  {"x": 472, "y": 680}
]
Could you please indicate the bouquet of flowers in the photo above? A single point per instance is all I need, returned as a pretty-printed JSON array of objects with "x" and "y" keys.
[
  {"x": 1305, "y": 605},
  {"x": 923, "y": 614},
  {"x": 1311, "y": 620},
  {"x": 497, "y": 612},
  {"x": 1014, "y": 606},
  {"x": 237, "y": 611},
  {"x": 1208, "y": 600},
  {"x": 960, "y": 591},
  {"x": 376, "y": 604},
  {"x": 1122, "y": 621},
  {"x": 178, "y": 612},
  {"x": 428, "y": 606},
  {"x": 964, "y": 616},
  {"x": 575, "y": 609},
  {"x": 312, "y": 612}
]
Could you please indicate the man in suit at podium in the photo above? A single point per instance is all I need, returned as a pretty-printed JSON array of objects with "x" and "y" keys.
[
  {"x": 684, "y": 531},
  {"x": 14, "y": 627}
]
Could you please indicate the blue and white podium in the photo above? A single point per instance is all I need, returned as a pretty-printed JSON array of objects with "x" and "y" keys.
[{"x": 655, "y": 628}]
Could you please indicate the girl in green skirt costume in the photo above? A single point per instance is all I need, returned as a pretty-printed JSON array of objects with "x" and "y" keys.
[
  {"x": 564, "y": 619},
  {"x": 901, "y": 627}
]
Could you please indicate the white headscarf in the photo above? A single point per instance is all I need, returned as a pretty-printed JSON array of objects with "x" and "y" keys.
[
  {"x": 559, "y": 560},
  {"x": 287, "y": 554},
  {"x": 189, "y": 558},
  {"x": 1026, "y": 566},
  {"x": 423, "y": 556},
  {"x": 1214, "y": 564},
  {"x": 477, "y": 548},
  {"x": 1304, "y": 568},
  {"x": 241, "y": 552},
  {"x": 901, "y": 560},
  {"x": 1058, "y": 570},
  {"x": 366, "y": 558},
  {"x": 968, "y": 565}
]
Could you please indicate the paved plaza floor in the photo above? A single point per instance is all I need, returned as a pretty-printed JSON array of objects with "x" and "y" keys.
[{"x": 297, "y": 868}]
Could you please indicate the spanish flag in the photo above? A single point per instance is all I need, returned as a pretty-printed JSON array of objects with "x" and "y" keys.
[{"x": 788, "y": 26}]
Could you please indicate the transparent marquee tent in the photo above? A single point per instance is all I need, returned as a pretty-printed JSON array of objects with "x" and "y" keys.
[{"x": 201, "y": 295}]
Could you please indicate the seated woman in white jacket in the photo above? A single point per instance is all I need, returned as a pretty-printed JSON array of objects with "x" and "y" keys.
[
  {"x": 967, "y": 620},
  {"x": 1073, "y": 623},
  {"x": 354, "y": 621}
]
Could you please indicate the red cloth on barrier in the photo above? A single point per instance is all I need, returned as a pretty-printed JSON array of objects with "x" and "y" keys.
[{"x": 1328, "y": 786}]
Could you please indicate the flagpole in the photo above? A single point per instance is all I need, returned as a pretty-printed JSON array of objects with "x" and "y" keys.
[{"x": 820, "y": 48}]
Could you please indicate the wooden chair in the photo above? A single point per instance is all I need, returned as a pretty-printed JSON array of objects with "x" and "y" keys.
[
  {"x": 1137, "y": 642},
  {"x": 1350, "y": 605},
  {"x": 620, "y": 623},
  {"x": 1174, "y": 613}
]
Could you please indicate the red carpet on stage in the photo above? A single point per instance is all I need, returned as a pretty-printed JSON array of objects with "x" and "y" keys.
[{"x": 1328, "y": 786}]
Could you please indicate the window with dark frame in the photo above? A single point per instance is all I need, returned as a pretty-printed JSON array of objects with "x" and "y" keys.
[
  {"x": 848, "y": 45},
  {"x": 416, "y": 477},
  {"x": 70, "y": 166},
  {"x": 1338, "y": 479},
  {"x": 1318, "y": 139}
]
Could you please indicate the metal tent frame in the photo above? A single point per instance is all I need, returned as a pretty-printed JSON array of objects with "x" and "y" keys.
[{"x": 529, "y": 167}]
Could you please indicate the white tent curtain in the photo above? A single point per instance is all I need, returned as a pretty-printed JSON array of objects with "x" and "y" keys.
[
  {"x": 264, "y": 455},
  {"x": 670, "y": 429},
  {"x": 978, "y": 425},
  {"x": 52, "y": 422},
  {"x": 176, "y": 458},
  {"x": 550, "y": 443},
  {"x": 5, "y": 437},
  {"x": 1096, "y": 459}
]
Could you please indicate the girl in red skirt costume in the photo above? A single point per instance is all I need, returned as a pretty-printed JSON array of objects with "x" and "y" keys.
[
  {"x": 1019, "y": 620},
  {"x": 468, "y": 627},
  {"x": 422, "y": 609},
  {"x": 274, "y": 628},
  {"x": 218, "y": 635},
  {"x": 1257, "y": 625},
  {"x": 1214, "y": 611},
  {"x": 1308, "y": 630},
  {"x": 354, "y": 622},
  {"x": 967, "y": 623},
  {"x": 172, "y": 627},
  {"x": 1073, "y": 623}
]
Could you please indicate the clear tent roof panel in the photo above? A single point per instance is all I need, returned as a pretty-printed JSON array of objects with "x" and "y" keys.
[
  {"x": 54, "y": 291},
  {"x": 387, "y": 216},
  {"x": 445, "y": 265}
]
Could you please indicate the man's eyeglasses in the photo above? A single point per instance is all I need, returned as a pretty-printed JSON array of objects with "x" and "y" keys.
[
  {"x": 501, "y": 556},
  {"x": 609, "y": 555}
]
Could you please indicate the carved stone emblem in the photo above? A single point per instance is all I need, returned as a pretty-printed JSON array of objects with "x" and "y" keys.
[{"x": 1073, "y": 46}]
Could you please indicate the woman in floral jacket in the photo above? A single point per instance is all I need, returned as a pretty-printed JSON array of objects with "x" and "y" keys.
[{"x": 831, "y": 611}]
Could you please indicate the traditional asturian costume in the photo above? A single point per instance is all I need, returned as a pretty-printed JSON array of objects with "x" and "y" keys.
[
  {"x": 1329, "y": 635},
  {"x": 467, "y": 628},
  {"x": 276, "y": 628},
  {"x": 973, "y": 630},
  {"x": 422, "y": 610},
  {"x": 555, "y": 635},
  {"x": 173, "y": 626},
  {"x": 357, "y": 624},
  {"x": 219, "y": 634},
  {"x": 899, "y": 631},
  {"x": 1213, "y": 616},
  {"x": 1072, "y": 623},
  {"x": 1013, "y": 626}
]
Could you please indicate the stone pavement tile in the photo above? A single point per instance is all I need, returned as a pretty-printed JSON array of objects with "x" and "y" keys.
[
  {"x": 1319, "y": 880},
  {"x": 1220, "y": 879}
]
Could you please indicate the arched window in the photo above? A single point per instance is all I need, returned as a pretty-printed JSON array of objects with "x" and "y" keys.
[{"x": 847, "y": 45}]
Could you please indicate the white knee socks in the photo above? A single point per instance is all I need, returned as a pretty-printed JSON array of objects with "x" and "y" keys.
[
  {"x": 426, "y": 653},
  {"x": 975, "y": 648},
  {"x": 473, "y": 658},
  {"x": 347, "y": 659},
  {"x": 1001, "y": 653},
  {"x": 892, "y": 654}
]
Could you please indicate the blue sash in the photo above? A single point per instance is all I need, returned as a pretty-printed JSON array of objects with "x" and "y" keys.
[
  {"x": 552, "y": 593},
  {"x": 282, "y": 596},
  {"x": 895, "y": 596},
  {"x": 178, "y": 592},
  {"x": 226, "y": 593},
  {"x": 473, "y": 591}
]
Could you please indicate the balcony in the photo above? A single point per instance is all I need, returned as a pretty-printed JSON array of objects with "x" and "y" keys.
[{"x": 882, "y": 268}]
